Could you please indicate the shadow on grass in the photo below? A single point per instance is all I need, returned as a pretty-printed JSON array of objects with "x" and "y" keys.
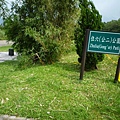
[
  {"x": 117, "y": 83},
  {"x": 71, "y": 71},
  {"x": 103, "y": 76},
  {"x": 9, "y": 62},
  {"x": 68, "y": 66},
  {"x": 17, "y": 65},
  {"x": 72, "y": 67}
]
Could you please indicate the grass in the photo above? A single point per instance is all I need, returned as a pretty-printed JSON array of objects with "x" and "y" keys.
[
  {"x": 54, "y": 92},
  {"x": 4, "y": 48}
]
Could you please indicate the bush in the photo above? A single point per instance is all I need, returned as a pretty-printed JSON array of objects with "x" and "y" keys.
[
  {"x": 46, "y": 48},
  {"x": 89, "y": 19},
  {"x": 24, "y": 61},
  {"x": 34, "y": 34},
  {"x": 2, "y": 35}
]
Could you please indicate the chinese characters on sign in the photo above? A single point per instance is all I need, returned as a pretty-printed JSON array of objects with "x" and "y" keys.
[
  {"x": 101, "y": 42},
  {"x": 104, "y": 42}
]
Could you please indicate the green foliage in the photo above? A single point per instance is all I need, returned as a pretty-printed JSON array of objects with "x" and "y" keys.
[
  {"x": 40, "y": 28},
  {"x": 3, "y": 9},
  {"x": 112, "y": 26},
  {"x": 24, "y": 61},
  {"x": 2, "y": 35},
  {"x": 89, "y": 19}
]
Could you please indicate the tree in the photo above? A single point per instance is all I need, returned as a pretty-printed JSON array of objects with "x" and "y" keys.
[
  {"x": 112, "y": 26},
  {"x": 39, "y": 28},
  {"x": 3, "y": 9},
  {"x": 89, "y": 19},
  {"x": 65, "y": 14},
  {"x": 3, "y": 14}
]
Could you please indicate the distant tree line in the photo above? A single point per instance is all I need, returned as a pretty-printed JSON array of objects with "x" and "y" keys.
[{"x": 113, "y": 26}]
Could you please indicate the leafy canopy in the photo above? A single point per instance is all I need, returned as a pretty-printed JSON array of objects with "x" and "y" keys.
[{"x": 42, "y": 28}]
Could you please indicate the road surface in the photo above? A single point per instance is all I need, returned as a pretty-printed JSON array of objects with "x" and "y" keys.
[{"x": 5, "y": 43}]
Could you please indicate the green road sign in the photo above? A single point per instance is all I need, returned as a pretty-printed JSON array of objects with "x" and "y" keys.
[{"x": 104, "y": 42}]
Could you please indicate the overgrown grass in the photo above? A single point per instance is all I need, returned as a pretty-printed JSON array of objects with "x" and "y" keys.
[{"x": 55, "y": 92}]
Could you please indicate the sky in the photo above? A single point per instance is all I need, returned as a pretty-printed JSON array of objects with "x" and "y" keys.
[{"x": 109, "y": 9}]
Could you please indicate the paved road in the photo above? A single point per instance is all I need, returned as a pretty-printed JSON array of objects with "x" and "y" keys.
[
  {"x": 5, "y": 43},
  {"x": 7, "y": 117},
  {"x": 4, "y": 56}
]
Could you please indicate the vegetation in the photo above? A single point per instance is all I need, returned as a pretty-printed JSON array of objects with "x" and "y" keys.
[
  {"x": 2, "y": 33},
  {"x": 89, "y": 19},
  {"x": 3, "y": 15},
  {"x": 3, "y": 9},
  {"x": 55, "y": 92},
  {"x": 41, "y": 29},
  {"x": 4, "y": 48},
  {"x": 113, "y": 26}
]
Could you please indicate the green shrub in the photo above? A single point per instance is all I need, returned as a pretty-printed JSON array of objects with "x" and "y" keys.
[
  {"x": 2, "y": 35},
  {"x": 23, "y": 61},
  {"x": 89, "y": 19},
  {"x": 29, "y": 40},
  {"x": 41, "y": 29}
]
